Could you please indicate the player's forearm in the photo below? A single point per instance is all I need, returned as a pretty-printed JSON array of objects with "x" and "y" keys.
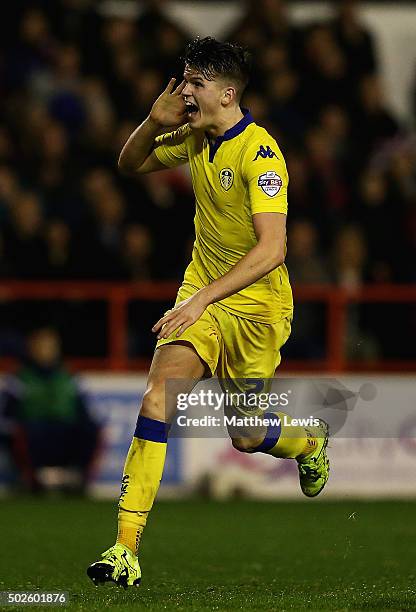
[
  {"x": 138, "y": 146},
  {"x": 258, "y": 262}
]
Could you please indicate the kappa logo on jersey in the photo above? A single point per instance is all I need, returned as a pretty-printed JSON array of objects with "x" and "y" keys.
[
  {"x": 264, "y": 153},
  {"x": 270, "y": 182},
  {"x": 226, "y": 178}
]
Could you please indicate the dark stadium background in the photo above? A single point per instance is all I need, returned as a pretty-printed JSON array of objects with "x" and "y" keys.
[{"x": 100, "y": 256}]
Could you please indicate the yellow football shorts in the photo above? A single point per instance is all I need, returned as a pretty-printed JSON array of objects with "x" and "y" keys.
[{"x": 233, "y": 347}]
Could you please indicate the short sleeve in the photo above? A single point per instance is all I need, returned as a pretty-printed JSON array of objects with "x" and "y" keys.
[
  {"x": 264, "y": 171},
  {"x": 171, "y": 148}
]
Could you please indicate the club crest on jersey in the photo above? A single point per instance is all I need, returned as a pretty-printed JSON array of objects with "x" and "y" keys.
[
  {"x": 270, "y": 182},
  {"x": 226, "y": 178},
  {"x": 264, "y": 153}
]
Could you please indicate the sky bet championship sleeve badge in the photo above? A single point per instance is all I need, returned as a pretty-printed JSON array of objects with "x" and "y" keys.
[
  {"x": 226, "y": 178},
  {"x": 270, "y": 182}
]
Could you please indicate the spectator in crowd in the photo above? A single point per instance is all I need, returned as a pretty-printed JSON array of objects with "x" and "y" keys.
[
  {"x": 100, "y": 238},
  {"x": 60, "y": 259},
  {"x": 374, "y": 123},
  {"x": 48, "y": 418},
  {"x": 325, "y": 76},
  {"x": 267, "y": 22},
  {"x": 9, "y": 191},
  {"x": 306, "y": 267},
  {"x": 136, "y": 251},
  {"x": 24, "y": 246},
  {"x": 306, "y": 263},
  {"x": 354, "y": 39},
  {"x": 350, "y": 269},
  {"x": 286, "y": 106},
  {"x": 350, "y": 260},
  {"x": 377, "y": 223}
]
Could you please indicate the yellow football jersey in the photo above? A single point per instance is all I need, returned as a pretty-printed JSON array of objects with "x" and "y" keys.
[{"x": 239, "y": 174}]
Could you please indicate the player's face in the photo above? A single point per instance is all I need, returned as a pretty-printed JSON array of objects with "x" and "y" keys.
[{"x": 203, "y": 99}]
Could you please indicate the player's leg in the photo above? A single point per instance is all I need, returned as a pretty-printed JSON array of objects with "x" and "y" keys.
[
  {"x": 145, "y": 460},
  {"x": 146, "y": 457},
  {"x": 185, "y": 359},
  {"x": 254, "y": 352}
]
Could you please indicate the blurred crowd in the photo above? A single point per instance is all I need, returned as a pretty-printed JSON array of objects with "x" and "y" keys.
[
  {"x": 75, "y": 82},
  {"x": 77, "y": 76}
]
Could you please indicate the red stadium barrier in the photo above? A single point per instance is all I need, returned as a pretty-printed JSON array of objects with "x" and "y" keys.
[{"x": 118, "y": 296}]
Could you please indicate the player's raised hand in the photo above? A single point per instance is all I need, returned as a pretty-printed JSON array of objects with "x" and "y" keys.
[{"x": 169, "y": 109}]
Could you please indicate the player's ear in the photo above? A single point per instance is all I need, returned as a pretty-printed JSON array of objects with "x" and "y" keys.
[{"x": 229, "y": 95}]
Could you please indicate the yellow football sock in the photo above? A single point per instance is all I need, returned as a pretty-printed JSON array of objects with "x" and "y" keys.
[
  {"x": 141, "y": 478},
  {"x": 294, "y": 440}
]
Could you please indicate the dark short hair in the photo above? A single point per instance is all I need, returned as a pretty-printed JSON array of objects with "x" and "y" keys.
[{"x": 213, "y": 58}]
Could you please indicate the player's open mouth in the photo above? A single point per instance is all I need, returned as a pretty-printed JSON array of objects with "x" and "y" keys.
[{"x": 191, "y": 109}]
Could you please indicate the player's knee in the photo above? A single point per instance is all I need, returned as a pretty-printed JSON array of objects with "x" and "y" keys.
[
  {"x": 245, "y": 445},
  {"x": 153, "y": 404}
]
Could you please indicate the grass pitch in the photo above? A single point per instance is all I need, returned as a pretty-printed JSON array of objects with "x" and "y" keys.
[{"x": 204, "y": 555}]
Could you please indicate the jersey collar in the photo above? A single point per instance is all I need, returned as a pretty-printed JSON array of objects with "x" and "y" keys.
[{"x": 232, "y": 132}]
